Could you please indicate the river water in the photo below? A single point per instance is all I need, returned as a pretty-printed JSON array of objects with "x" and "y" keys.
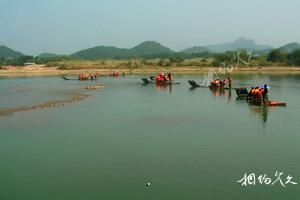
[{"x": 189, "y": 144}]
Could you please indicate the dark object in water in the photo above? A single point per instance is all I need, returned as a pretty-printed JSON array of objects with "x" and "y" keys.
[
  {"x": 152, "y": 78},
  {"x": 194, "y": 84},
  {"x": 76, "y": 79},
  {"x": 242, "y": 93},
  {"x": 146, "y": 81}
]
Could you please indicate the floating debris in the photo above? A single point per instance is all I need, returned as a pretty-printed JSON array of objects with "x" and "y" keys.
[{"x": 93, "y": 87}]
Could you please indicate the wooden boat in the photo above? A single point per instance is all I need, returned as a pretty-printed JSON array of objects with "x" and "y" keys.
[
  {"x": 147, "y": 81},
  {"x": 76, "y": 79},
  {"x": 269, "y": 104},
  {"x": 275, "y": 104},
  {"x": 196, "y": 85},
  {"x": 242, "y": 93}
]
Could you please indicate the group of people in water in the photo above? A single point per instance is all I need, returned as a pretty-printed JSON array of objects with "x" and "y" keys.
[
  {"x": 258, "y": 95},
  {"x": 217, "y": 83},
  {"x": 83, "y": 77},
  {"x": 163, "y": 78}
]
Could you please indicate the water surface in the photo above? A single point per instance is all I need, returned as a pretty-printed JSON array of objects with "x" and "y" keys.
[{"x": 190, "y": 144}]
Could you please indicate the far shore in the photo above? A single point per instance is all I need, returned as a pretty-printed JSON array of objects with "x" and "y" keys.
[{"x": 41, "y": 70}]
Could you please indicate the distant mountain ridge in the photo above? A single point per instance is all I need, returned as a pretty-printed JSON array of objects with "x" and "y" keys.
[
  {"x": 6, "y": 52},
  {"x": 144, "y": 49},
  {"x": 241, "y": 43},
  {"x": 49, "y": 55},
  {"x": 154, "y": 49},
  {"x": 196, "y": 49}
]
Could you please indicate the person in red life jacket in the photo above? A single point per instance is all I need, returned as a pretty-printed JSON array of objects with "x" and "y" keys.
[
  {"x": 160, "y": 77},
  {"x": 260, "y": 97},
  {"x": 116, "y": 73}
]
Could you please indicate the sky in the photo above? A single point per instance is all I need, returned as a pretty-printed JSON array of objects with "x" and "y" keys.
[{"x": 67, "y": 26}]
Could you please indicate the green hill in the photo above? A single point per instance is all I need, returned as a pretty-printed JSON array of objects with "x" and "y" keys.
[
  {"x": 103, "y": 52},
  {"x": 195, "y": 49},
  {"x": 288, "y": 48},
  {"x": 6, "y": 52},
  {"x": 148, "y": 48}
]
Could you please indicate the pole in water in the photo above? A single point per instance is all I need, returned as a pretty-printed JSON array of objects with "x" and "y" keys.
[{"x": 148, "y": 184}]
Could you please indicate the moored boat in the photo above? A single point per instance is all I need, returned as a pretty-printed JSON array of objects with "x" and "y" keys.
[
  {"x": 77, "y": 79},
  {"x": 147, "y": 81}
]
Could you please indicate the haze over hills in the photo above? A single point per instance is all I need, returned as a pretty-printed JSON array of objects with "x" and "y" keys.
[{"x": 152, "y": 49}]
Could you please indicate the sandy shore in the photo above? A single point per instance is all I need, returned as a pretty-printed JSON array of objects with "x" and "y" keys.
[{"x": 41, "y": 70}]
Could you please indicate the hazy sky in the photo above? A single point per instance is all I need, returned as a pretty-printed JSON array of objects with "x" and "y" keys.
[{"x": 66, "y": 26}]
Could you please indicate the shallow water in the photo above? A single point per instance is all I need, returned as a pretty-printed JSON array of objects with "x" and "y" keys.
[{"x": 189, "y": 144}]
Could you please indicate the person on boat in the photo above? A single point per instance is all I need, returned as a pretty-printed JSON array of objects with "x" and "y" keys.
[
  {"x": 116, "y": 73},
  {"x": 265, "y": 93},
  {"x": 91, "y": 76},
  {"x": 229, "y": 82},
  {"x": 169, "y": 77},
  {"x": 250, "y": 94},
  {"x": 213, "y": 83},
  {"x": 86, "y": 77},
  {"x": 165, "y": 78},
  {"x": 254, "y": 94},
  {"x": 223, "y": 83},
  {"x": 160, "y": 78},
  {"x": 260, "y": 94}
]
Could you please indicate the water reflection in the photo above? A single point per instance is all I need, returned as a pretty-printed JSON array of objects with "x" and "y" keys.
[
  {"x": 222, "y": 93},
  {"x": 260, "y": 111},
  {"x": 163, "y": 87}
]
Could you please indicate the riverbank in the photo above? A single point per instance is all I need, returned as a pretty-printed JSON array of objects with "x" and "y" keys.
[{"x": 42, "y": 70}]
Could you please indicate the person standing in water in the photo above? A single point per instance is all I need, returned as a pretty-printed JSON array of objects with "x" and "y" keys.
[{"x": 229, "y": 82}]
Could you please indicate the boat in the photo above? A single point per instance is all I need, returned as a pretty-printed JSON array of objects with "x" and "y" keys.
[
  {"x": 275, "y": 104},
  {"x": 196, "y": 85},
  {"x": 269, "y": 103},
  {"x": 76, "y": 79},
  {"x": 147, "y": 81},
  {"x": 212, "y": 87},
  {"x": 242, "y": 93},
  {"x": 152, "y": 78}
]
